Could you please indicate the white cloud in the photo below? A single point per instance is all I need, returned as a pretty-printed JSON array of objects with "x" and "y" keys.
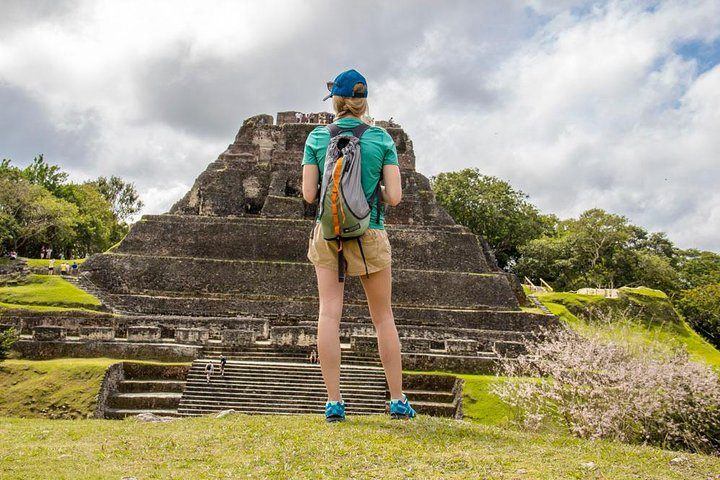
[{"x": 578, "y": 103}]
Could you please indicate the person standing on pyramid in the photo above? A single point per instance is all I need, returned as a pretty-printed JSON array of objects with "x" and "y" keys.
[{"x": 366, "y": 155}]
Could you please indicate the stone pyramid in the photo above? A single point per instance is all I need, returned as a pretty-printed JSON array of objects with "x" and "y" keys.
[{"x": 229, "y": 259}]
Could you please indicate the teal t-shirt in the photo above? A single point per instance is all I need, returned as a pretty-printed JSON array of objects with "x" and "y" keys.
[{"x": 377, "y": 149}]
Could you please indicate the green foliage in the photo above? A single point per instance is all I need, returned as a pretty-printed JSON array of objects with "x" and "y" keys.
[
  {"x": 491, "y": 208},
  {"x": 701, "y": 308},
  {"x": 122, "y": 196},
  {"x": 258, "y": 446},
  {"x": 8, "y": 337},
  {"x": 48, "y": 290},
  {"x": 600, "y": 250},
  {"x": 39, "y": 208},
  {"x": 698, "y": 268},
  {"x": 50, "y": 177}
]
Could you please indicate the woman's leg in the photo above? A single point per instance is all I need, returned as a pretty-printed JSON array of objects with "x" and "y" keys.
[
  {"x": 330, "y": 292},
  {"x": 378, "y": 290}
]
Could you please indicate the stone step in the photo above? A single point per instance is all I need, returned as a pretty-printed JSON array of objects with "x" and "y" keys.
[
  {"x": 141, "y": 275},
  {"x": 120, "y": 413},
  {"x": 211, "y": 409},
  {"x": 141, "y": 401},
  {"x": 139, "y": 386}
]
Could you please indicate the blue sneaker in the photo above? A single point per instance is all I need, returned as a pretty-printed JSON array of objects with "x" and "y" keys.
[
  {"x": 401, "y": 409},
  {"x": 335, "y": 411}
]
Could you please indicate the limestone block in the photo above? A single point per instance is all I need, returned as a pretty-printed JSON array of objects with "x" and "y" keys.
[
  {"x": 364, "y": 343},
  {"x": 143, "y": 333},
  {"x": 286, "y": 207},
  {"x": 461, "y": 346},
  {"x": 192, "y": 335},
  {"x": 238, "y": 337},
  {"x": 97, "y": 333},
  {"x": 43, "y": 333},
  {"x": 409, "y": 344},
  {"x": 303, "y": 336}
]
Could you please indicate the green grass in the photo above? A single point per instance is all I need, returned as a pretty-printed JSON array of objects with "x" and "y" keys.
[
  {"x": 656, "y": 320},
  {"x": 43, "y": 263},
  {"x": 239, "y": 446},
  {"x": 480, "y": 404},
  {"x": 48, "y": 291},
  {"x": 61, "y": 388}
]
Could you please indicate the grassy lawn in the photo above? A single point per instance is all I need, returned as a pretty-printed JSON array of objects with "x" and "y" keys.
[
  {"x": 61, "y": 388},
  {"x": 47, "y": 291},
  {"x": 656, "y": 322},
  {"x": 239, "y": 446},
  {"x": 43, "y": 263}
]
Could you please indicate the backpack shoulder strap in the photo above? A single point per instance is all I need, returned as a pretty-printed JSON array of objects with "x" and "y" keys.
[
  {"x": 334, "y": 130},
  {"x": 357, "y": 131}
]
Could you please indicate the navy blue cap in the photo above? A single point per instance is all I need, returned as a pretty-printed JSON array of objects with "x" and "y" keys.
[{"x": 344, "y": 84}]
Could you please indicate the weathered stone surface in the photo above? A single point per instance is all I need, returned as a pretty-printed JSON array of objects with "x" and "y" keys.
[
  {"x": 192, "y": 335},
  {"x": 303, "y": 336},
  {"x": 43, "y": 333},
  {"x": 238, "y": 337},
  {"x": 364, "y": 343},
  {"x": 97, "y": 333},
  {"x": 143, "y": 333},
  {"x": 461, "y": 346}
]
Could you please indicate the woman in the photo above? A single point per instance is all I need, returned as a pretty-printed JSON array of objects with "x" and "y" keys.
[{"x": 379, "y": 157}]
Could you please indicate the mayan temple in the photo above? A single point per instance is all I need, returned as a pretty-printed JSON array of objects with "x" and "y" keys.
[{"x": 225, "y": 272}]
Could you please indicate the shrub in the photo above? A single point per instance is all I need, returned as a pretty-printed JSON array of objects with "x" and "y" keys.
[
  {"x": 8, "y": 337},
  {"x": 701, "y": 308},
  {"x": 607, "y": 389}
]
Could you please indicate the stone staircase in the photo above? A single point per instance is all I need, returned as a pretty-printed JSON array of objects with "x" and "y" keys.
[
  {"x": 279, "y": 388},
  {"x": 146, "y": 388},
  {"x": 265, "y": 352}
]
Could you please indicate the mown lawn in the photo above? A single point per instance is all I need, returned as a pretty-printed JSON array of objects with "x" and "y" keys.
[
  {"x": 239, "y": 446},
  {"x": 47, "y": 291}
]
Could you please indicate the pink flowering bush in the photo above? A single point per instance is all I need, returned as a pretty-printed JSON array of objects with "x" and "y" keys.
[{"x": 602, "y": 388}]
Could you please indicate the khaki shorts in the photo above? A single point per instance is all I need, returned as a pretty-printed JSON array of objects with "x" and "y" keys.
[{"x": 375, "y": 246}]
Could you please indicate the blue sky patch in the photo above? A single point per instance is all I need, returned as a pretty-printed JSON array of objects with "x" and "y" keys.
[{"x": 706, "y": 54}]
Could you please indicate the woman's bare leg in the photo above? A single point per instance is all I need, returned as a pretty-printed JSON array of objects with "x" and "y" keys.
[
  {"x": 378, "y": 290},
  {"x": 330, "y": 292}
]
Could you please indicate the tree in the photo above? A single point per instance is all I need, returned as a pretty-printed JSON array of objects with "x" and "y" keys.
[
  {"x": 8, "y": 337},
  {"x": 51, "y": 177},
  {"x": 31, "y": 215},
  {"x": 701, "y": 308},
  {"x": 95, "y": 222},
  {"x": 698, "y": 268},
  {"x": 491, "y": 208},
  {"x": 601, "y": 250},
  {"x": 124, "y": 199}
]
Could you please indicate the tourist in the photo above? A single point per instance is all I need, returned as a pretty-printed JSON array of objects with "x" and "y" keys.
[
  {"x": 13, "y": 255},
  {"x": 209, "y": 368},
  {"x": 42, "y": 252},
  {"x": 298, "y": 117},
  {"x": 379, "y": 160},
  {"x": 74, "y": 269},
  {"x": 64, "y": 268},
  {"x": 313, "y": 356},
  {"x": 48, "y": 252},
  {"x": 223, "y": 361},
  {"x": 51, "y": 266}
]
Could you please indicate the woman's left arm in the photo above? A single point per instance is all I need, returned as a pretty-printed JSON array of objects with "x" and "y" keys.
[{"x": 310, "y": 180}]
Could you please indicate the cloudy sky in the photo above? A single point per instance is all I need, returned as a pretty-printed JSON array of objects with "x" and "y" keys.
[{"x": 580, "y": 104}]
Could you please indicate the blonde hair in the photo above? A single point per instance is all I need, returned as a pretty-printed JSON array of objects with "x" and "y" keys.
[{"x": 352, "y": 106}]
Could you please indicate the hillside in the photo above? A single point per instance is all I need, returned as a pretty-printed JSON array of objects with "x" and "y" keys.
[{"x": 639, "y": 314}]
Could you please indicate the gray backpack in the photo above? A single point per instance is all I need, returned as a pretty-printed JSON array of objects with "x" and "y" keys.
[{"x": 343, "y": 210}]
